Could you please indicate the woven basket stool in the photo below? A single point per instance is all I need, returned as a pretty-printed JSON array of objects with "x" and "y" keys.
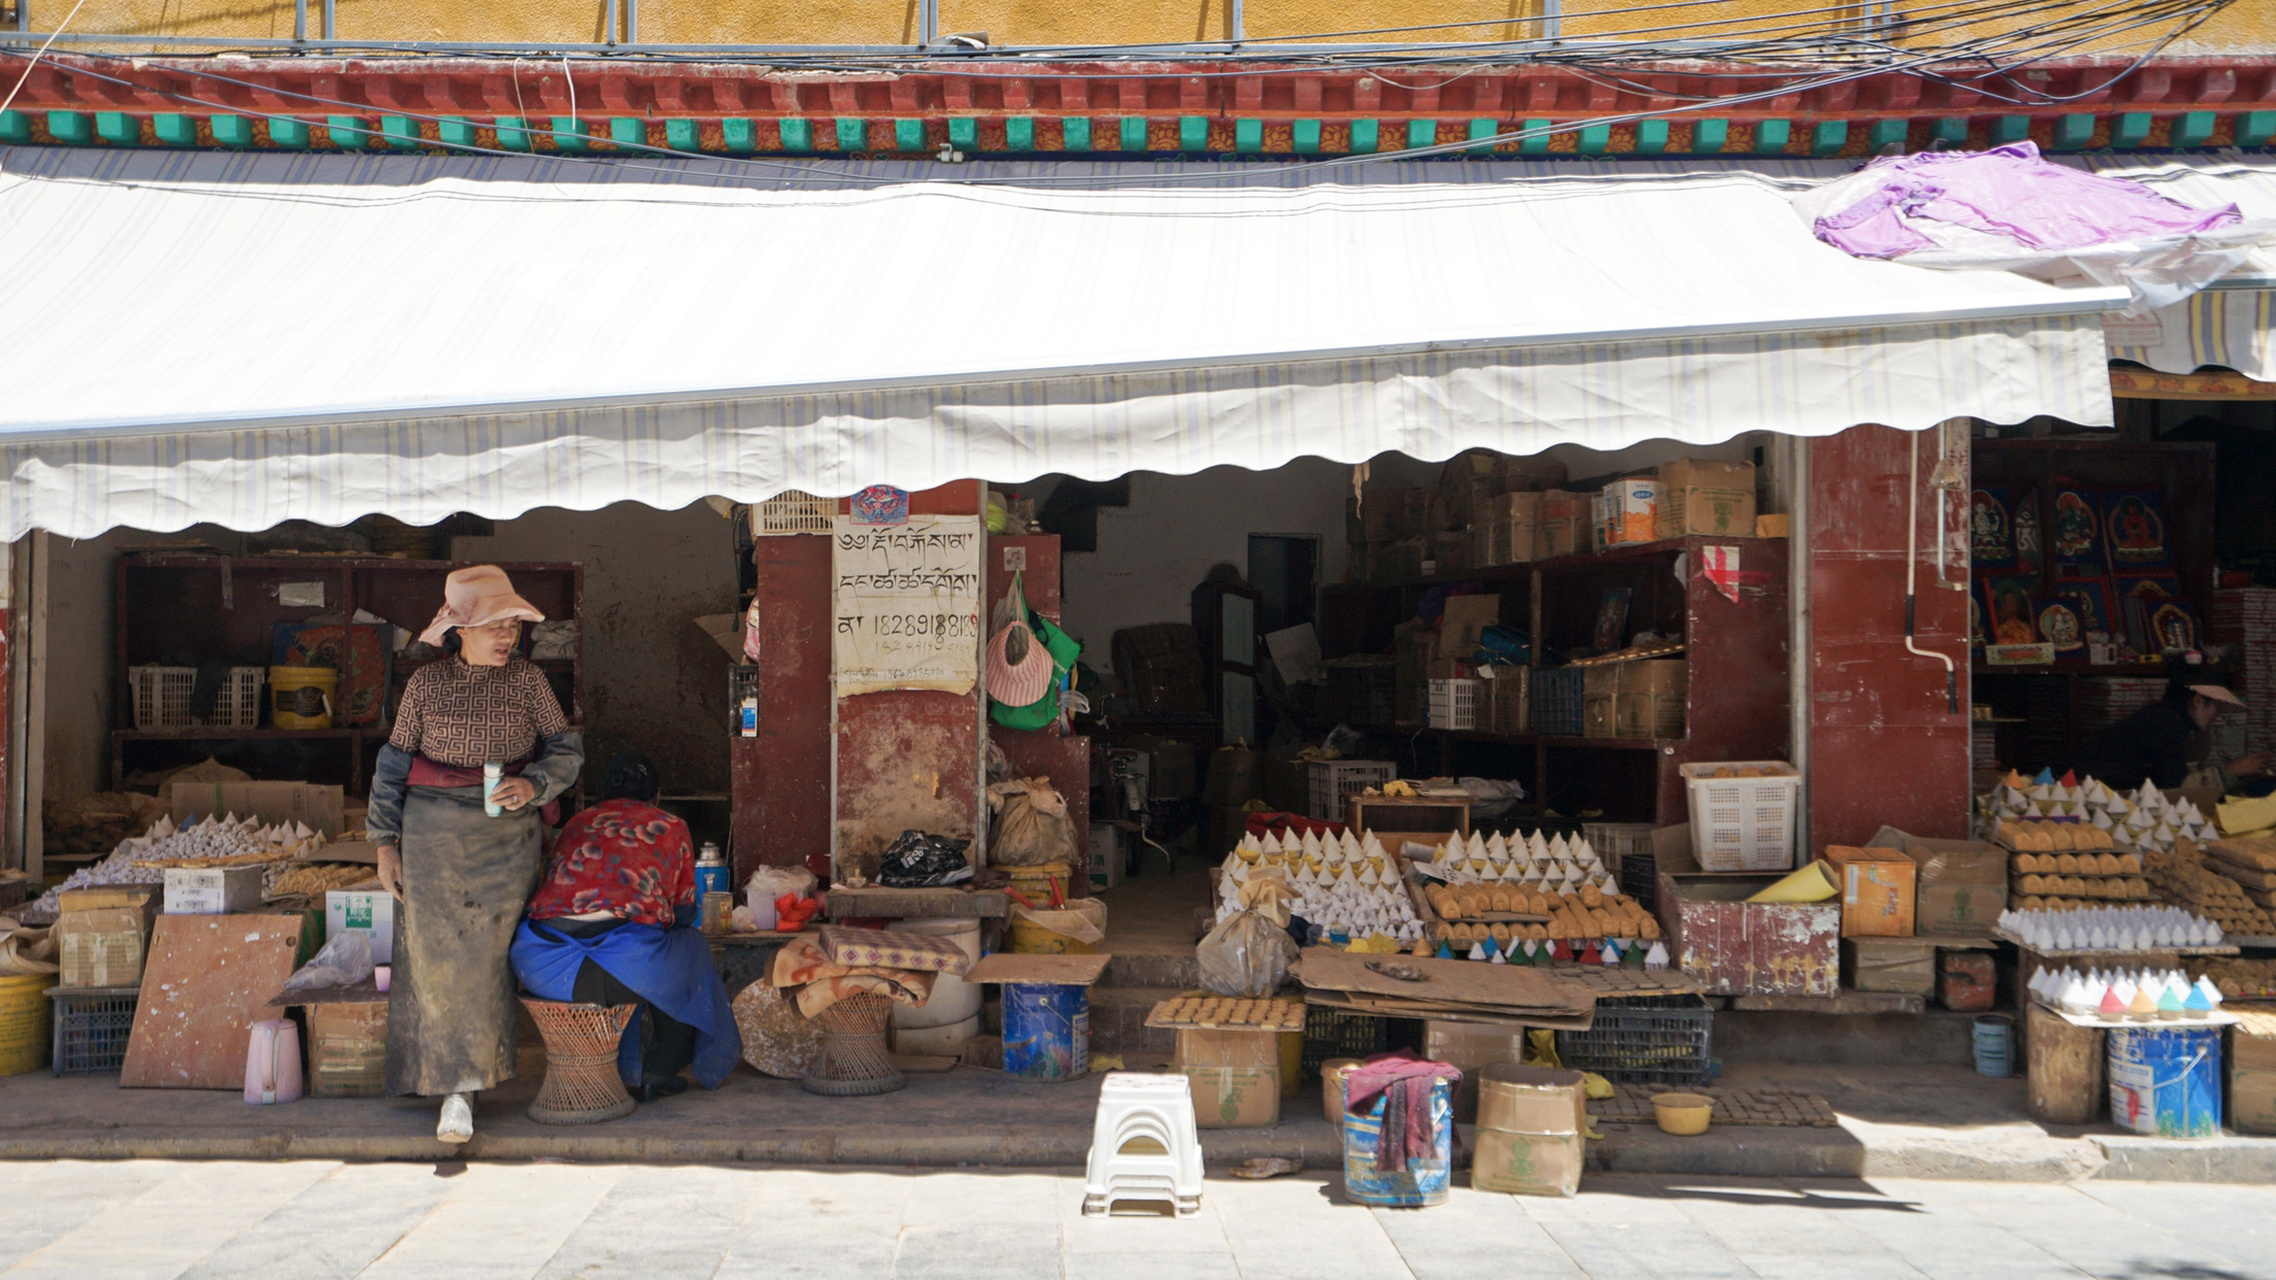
[
  {"x": 581, "y": 1082},
  {"x": 854, "y": 1058}
]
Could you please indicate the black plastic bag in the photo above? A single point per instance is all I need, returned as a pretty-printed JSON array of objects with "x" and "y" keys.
[{"x": 920, "y": 860}]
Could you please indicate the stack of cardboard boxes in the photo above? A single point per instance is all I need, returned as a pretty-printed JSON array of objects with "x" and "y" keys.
[{"x": 1917, "y": 914}]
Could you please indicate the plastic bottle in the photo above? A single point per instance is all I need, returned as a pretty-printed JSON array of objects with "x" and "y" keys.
[
  {"x": 710, "y": 872},
  {"x": 750, "y": 717},
  {"x": 493, "y": 773}
]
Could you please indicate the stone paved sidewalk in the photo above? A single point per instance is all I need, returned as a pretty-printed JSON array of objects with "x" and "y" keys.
[{"x": 316, "y": 1219}]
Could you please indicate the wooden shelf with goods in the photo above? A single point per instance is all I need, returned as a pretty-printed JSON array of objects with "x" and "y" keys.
[
  {"x": 227, "y": 608},
  {"x": 1735, "y": 660}
]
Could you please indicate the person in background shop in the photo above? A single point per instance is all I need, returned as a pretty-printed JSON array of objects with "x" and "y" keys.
[
  {"x": 2154, "y": 744},
  {"x": 461, "y": 872},
  {"x": 614, "y": 923}
]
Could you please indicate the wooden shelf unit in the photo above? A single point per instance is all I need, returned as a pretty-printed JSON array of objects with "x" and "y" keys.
[
  {"x": 226, "y": 607},
  {"x": 1736, "y": 707}
]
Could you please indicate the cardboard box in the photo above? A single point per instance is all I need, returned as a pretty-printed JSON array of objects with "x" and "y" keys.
[
  {"x": 1645, "y": 699},
  {"x": 1877, "y": 891},
  {"x": 1888, "y": 964},
  {"x": 1777, "y": 526},
  {"x": 104, "y": 945},
  {"x": 1531, "y": 472},
  {"x": 1387, "y": 515},
  {"x": 1234, "y": 1097},
  {"x": 1631, "y": 510},
  {"x": 1108, "y": 862},
  {"x": 1464, "y": 621},
  {"x": 213, "y": 891},
  {"x": 1518, "y": 1099},
  {"x": 1527, "y": 1164},
  {"x": 2252, "y": 1073},
  {"x": 142, "y": 897},
  {"x": 1508, "y": 699},
  {"x": 370, "y": 912},
  {"x": 1471, "y": 1046},
  {"x": 1564, "y": 517},
  {"x": 271, "y": 802},
  {"x": 1701, "y": 495},
  {"x": 1449, "y": 553},
  {"x": 1961, "y": 885},
  {"x": 1228, "y": 1049},
  {"x": 363, "y": 851},
  {"x": 1966, "y": 989}
]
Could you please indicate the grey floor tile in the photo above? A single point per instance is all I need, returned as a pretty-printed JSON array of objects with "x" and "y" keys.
[
  {"x": 1188, "y": 1266},
  {"x": 173, "y": 1224},
  {"x": 1619, "y": 1251},
  {"x": 977, "y": 1251},
  {"x": 337, "y": 1227}
]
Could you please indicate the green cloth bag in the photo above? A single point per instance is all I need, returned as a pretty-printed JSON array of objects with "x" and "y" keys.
[{"x": 1063, "y": 649}]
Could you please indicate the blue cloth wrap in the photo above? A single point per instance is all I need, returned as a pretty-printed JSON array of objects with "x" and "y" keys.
[{"x": 669, "y": 968}]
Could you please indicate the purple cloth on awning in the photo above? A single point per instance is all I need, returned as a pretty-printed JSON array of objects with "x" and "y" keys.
[{"x": 2006, "y": 191}]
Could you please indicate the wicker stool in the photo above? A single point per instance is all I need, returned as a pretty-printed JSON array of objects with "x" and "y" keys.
[
  {"x": 581, "y": 1082},
  {"x": 854, "y": 1058}
]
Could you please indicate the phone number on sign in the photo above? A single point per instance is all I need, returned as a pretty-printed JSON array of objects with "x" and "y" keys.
[{"x": 937, "y": 627}]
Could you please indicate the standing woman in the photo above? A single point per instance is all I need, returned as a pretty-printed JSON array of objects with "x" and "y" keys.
[{"x": 461, "y": 875}]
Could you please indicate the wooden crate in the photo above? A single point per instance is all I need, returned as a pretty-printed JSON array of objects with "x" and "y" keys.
[{"x": 347, "y": 1050}]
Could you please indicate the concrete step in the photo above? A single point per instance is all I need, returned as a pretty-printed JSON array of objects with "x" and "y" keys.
[{"x": 1174, "y": 969}]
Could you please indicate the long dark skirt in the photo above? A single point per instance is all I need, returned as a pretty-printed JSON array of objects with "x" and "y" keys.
[{"x": 466, "y": 879}]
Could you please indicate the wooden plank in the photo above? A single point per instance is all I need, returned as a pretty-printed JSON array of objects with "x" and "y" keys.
[
  {"x": 877, "y": 902},
  {"x": 1452, "y": 983},
  {"x": 208, "y": 979},
  {"x": 1070, "y": 970},
  {"x": 1848, "y": 1002}
]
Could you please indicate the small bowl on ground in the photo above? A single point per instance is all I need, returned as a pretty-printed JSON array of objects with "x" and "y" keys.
[{"x": 1683, "y": 1114}]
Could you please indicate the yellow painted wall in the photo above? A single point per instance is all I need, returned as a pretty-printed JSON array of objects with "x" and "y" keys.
[{"x": 2245, "y": 27}]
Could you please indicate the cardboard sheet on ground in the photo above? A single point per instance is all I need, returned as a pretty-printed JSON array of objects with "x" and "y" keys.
[
  {"x": 207, "y": 981},
  {"x": 1448, "y": 987},
  {"x": 1065, "y": 970}
]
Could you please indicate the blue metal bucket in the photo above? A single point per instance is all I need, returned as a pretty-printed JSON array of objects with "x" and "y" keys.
[
  {"x": 1047, "y": 1031},
  {"x": 2166, "y": 1080},
  {"x": 1424, "y": 1182}
]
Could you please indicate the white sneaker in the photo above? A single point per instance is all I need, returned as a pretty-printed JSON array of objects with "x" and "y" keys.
[{"x": 457, "y": 1123}]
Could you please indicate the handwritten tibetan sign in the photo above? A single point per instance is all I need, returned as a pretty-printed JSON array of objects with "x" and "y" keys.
[{"x": 907, "y": 603}]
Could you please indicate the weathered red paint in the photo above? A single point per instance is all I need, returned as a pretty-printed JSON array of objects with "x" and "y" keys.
[
  {"x": 781, "y": 779},
  {"x": 1041, "y": 752},
  {"x": 1884, "y": 747},
  {"x": 1736, "y": 948}
]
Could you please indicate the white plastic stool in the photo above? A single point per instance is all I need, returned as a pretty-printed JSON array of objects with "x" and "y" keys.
[{"x": 1144, "y": 1145}]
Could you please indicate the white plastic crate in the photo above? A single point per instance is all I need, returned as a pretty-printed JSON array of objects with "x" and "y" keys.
[
  {"x": 1454, "y": 704},
  {"x": 1617, "y": 841},
  {"x": 792, "y": 511},
  {"x": 162, "y": 698},
  {"x": 1335, "y": 781},
  {"x": 1742, "y": 824}
]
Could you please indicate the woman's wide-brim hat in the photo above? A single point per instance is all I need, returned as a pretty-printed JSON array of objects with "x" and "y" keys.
[
  {"x": 477, "y": 597},
  {"x": 1017, "y": 684}
]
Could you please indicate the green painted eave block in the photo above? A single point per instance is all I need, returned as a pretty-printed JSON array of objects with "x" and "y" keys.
[
  {"x": 2073, "y": 131},
  {"x": 401, "y": 132},
  {"x": 1887, "y": 133},
  {"x": 513, "y": 133},
  {"x": 1193, "y": 133},
  {"x": 683, "y": 135},
  {"x": 852, "y": 133},
  {"x": 284, "y": 131},
  {"x": 1479, "y": 131},
  {"x": 964, "y": 134},
  {"x": 1594, "y": 140},
  {"x": 2255, "y": 128},
  {"x": 1710, "y": 136},
  {"x": 233, "y": 130},
  {"x": 1651, "y": 137},
  {"x": 908, "y": 135},
  {"x": 798, "y": 134},
  {"x": 2193, "y": 129},
  {"x": 347, "y": 132},
  {"x": 740, "y": 135},
  {"x": 1828, "y": 137},
  {"x": 1075, "y": 133},
  {"x": 74, "y": 127},
  {"x": 174, "y": 129},
  {"x": 1304, "y": 137},
  {"x": 628, "y": 131},
  {"x": 569, "y": 133},
  {"x": 2008, "y": 129},
  {"x": 1771, "y": 136},
  {"x": 118, "y": 128},
  {"x": 15, "y": 126},
  {"x": 1019, "y": 133},
  {"x": 1248, "y": 137},
  {"x": 1952, "y": 132},
  {"x": 451, "y": 131},
  {"x": 1133, "y": 133},
  {"x": 1538, "y": 143},
  {"x": 1366, "y": 136},
  {"x": 1421, "y": 133}
]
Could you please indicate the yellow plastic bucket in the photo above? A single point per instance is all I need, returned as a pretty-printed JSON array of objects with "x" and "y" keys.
[
  {"x": 24, "y": 1023},
  {"x": 1035, "y": 883},
  {"x": 302, "y": 697},
  {"x": 1029, "y": 937}
]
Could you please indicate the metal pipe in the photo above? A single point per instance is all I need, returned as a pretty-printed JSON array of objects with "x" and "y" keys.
[
  {"x": 632, "y": 21},
  {"x": 299, "y": 21},
  {"x": 611, "y": 8},
  {"x": 331, "y": 21},
  {"x": 1240, "y": 31},
  {"x": 928, "y": 22},
  {"x": 1552, "y": 19},
  {"x": 1912, "y": 566},
  {"x": 1798, "y": 629}
]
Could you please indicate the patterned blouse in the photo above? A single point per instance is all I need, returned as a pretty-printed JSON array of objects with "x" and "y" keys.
[
  {"x": 454, "y": 712},
  {"x": 624, "y": 857}
]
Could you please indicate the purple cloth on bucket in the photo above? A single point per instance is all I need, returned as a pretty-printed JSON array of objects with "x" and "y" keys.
[
  {"x": 2006, "y": 191},
  {"x": 1405, "y": 1081}
]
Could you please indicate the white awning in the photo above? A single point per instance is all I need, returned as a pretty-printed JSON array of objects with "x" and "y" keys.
[
  {"x": 245, "y": 339},
  {"x": 2229, "y": 324}
]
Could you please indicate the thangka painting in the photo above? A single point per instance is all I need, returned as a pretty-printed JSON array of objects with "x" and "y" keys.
[
  {"x": 2059, "y": 626},
  {"x": 1991, "y": 529},
  {"x": 2010, "y": 614},
  {"x": 2089, "y": 600},
  {"x": 2133, "y": 524},
  {"x": 2076, "y": 534}
]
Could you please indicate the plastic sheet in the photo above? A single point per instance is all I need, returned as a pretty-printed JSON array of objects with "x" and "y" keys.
[
  {"x": 344, "y": 962},
  {"x": 1030, "y": 824},
  {"x": 1248, "y": 954},
  {"x": 921, "y": 860}
]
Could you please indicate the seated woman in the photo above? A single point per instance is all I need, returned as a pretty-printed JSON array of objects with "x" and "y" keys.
[{"x": 614, "y": 923}]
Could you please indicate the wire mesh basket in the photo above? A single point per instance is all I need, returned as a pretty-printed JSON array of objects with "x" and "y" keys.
[
  {"x": 1334, "y": 781},
  {"x": 792, "y": 511}
]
